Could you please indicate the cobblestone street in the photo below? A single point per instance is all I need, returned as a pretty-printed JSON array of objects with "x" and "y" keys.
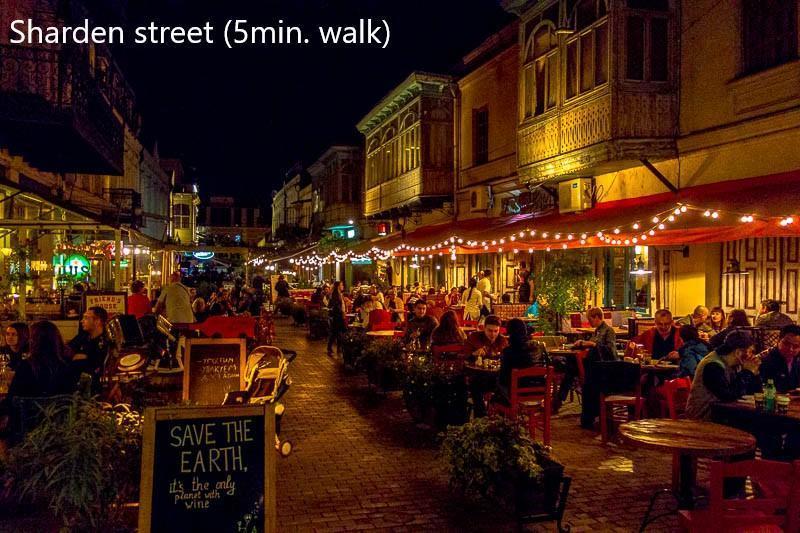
[{"x": 360, "y": 463}]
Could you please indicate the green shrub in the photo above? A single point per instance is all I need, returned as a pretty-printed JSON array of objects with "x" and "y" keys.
[
  {"x": 81, "y": 462},
  {"x": 486, "y": 454}
]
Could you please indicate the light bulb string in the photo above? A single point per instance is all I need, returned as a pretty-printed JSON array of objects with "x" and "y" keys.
[{"x": 613, "y": 235}]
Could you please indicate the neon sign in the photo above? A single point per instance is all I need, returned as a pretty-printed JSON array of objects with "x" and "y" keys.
[
  {"x": 203, "y": 256},
  {"x": 75, "y": 265}
]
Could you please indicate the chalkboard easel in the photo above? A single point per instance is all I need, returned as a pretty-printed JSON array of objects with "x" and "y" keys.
[
  {"x": 208, "y": 469},
  {"x": 212, "y": 368}
]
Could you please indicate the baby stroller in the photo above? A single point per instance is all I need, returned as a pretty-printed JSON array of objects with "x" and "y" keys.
[{"x": 267, "y": 380}]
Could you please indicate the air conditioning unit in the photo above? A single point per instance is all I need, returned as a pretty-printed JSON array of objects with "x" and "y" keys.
[
  {"x": 575, "y": 195},
  {"x": 481, "y": 199}
]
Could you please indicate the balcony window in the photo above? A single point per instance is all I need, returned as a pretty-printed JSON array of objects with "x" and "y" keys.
[
  {"x": 587, "y": 60},
  {"x": 647, "y": 48},
  {"x": 539, "y": 89},
  {"x": 396, "y": 153},
  {"x": 181, "y": 216},
  {"x": 769, "y": 33},
  {"x": 480, "y": 136}
]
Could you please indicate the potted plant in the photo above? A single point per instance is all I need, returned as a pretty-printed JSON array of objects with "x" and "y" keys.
[
  {"x": 353, "y": 344},
  {"x": 564, "y": 285},
  {"x": 494, "y": 457},
  {"x": 418, "y": 385},
  {"x": 382, "y": 360},
  {"x": 81, "y": 462}
]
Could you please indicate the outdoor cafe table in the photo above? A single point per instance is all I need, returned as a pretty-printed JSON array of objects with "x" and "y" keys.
[
  {"x": 386, "y": 333},
  {"x": 687, "y": 440},
  {"x": 742, "y": 414}
]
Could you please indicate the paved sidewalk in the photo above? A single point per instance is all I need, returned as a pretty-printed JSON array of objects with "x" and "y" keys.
[{"x": 359, "y": 463}]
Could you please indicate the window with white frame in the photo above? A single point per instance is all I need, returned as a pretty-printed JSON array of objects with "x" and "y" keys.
[{"x": 181, "y": 218}]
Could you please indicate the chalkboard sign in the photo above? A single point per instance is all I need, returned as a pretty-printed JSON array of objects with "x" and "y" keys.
[
  {"x": 208, "y": 469},
  {"x": 212, "y": 368}
]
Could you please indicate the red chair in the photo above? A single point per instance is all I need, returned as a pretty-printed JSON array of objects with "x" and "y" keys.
[
  {"x": 379, "y": 316},
  {"x": 533, "y": 401},
  {"x": 575, "y": 320},
  {"x": 674, "y": 394},
  {"x": 384, "y": 326},
  {"x": 449, "y": 356},
  {"x": 775, "y": 505}
]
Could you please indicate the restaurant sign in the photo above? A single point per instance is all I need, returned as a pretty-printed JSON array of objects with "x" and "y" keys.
[
  {"x": 74, "y": 266},
  {"x": 113, "y": 302}
]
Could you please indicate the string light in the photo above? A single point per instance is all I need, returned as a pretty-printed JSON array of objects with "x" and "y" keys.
[{"x": 449, "y": 244}]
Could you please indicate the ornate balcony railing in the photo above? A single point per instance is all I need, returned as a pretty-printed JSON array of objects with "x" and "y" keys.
[{"x": 51, "y": 96}]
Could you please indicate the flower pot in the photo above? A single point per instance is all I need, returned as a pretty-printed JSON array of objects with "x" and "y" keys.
[{"x": 538, "y": 500}]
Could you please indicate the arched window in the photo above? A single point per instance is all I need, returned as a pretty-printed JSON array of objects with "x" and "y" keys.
[{"x": 540, "y": 72}]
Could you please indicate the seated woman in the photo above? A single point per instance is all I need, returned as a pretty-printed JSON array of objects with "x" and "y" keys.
[
  {"x": 45, "y": 372},
  {"x": 17, "y": 340},
  {"x": 724, "y": 375},
  {"x": 692, "y": 351},
  {"x": 448, "y": 331},
  {"x": 737, "y": 318},
  {"x": 453, "y": 297},
  {"x": 519, "y": 354}
]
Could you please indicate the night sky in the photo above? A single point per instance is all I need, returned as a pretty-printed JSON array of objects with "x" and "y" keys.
[{"x": 239, "y": 119}]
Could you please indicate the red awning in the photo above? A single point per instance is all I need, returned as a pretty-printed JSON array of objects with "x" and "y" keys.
[{"x": 711, "y": 213}]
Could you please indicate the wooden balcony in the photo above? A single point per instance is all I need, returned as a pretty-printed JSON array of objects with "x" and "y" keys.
[
  {"x": 60, "y": 117},
  {"x": 408, "y": 189},
  {"x": 600, "y": 133}
]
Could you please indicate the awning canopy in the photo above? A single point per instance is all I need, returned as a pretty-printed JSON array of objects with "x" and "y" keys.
[{"x": 755, "y": 207}]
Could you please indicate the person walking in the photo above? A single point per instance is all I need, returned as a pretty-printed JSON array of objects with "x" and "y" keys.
[{"x": 336, "y": 312}]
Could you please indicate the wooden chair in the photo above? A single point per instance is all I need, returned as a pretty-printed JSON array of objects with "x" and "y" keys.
[
  {"x": 449, "y": 357},
  {"x": 674, "y": 394},
  {"x": 775, "y": 505},
  {"x": 532, "y": 400},
  {"x": 621, "y": 391}
]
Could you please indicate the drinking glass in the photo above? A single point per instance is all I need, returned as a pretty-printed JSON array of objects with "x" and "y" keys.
[
  {"x": 759, "y": 401},
  {"x": 782, "y": 404}
]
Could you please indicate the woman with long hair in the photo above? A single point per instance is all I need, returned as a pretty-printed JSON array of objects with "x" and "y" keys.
[
  {"x": 473, "y": 300},
  {"x": 736, "y": 319},
  {"x": 17, "y": 338},
  {"x": 716, "y": 319},
  {"x": 448, "y": 331},
  {"x": 519, "y": 354},
  {"x": 336, "y": 312},
  {"x": 46, "y": 372}
]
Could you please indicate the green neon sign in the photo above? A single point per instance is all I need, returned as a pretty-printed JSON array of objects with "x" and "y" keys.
[{"x": 75, "y": 265}]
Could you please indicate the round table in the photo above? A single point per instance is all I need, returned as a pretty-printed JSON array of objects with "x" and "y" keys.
[
  {"x": 687, "y": 440},
  {"x": 386, "y": 333}
]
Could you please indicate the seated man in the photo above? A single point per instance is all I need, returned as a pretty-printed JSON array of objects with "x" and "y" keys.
[
  {"x": 602, "y": 347},
  {"x": 771, "y": 316},
  {"x": 698, "y": 319},
  {"x": 421, "y": 325},
  {"x": 488, "y": 342},
  {"x": 724, "y": 375},
  {"x": 781, "y": 364},
  {"x": 661, "y": 341},
  {"x": 90, "y": 346}
]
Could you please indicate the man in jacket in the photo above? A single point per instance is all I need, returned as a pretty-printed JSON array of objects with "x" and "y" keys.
[{"x": 781, "y": 364}]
